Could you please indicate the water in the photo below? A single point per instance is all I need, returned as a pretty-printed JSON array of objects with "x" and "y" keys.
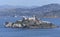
[{"x": 18, "y": 32}]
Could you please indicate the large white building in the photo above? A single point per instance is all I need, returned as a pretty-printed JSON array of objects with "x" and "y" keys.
[{"x": 30, "y": 18}]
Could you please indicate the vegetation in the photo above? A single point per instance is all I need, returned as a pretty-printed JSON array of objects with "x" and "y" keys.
[{"x": 50, "y": 10}]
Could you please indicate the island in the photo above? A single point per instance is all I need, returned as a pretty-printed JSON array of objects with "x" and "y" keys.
[{"x": 31, "y": 23}]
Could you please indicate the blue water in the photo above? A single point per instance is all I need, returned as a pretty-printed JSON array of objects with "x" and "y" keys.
[{"x": 18, "y": 32}]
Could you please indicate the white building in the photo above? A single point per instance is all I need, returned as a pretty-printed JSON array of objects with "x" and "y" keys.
[{"x": 30, "y": 18}]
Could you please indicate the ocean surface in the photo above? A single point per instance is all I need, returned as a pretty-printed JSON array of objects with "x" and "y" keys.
[{"x": 18, "y": 32}]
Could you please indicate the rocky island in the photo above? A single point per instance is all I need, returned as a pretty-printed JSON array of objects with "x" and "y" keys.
[{"x": 31, "y": 22}]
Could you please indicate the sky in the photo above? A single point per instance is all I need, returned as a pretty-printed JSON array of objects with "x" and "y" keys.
[{"x": 28, "y": 2}]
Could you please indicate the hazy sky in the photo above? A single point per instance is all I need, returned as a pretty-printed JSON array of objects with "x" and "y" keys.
[{"x": 28, "y": 2}]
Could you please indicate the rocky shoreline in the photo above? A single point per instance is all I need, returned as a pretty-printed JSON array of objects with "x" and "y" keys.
[{"x": 31, "y": 23}]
